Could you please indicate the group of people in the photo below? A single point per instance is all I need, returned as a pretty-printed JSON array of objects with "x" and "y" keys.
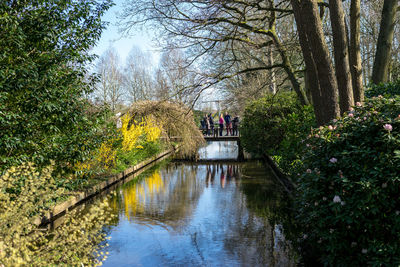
[{"x": 231, "y": 125}]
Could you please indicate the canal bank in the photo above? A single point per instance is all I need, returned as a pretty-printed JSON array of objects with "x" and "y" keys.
[{"x": 77, "y": 198}]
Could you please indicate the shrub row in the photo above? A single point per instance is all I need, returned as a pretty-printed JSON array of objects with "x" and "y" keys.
[
  {"x": 276, "y": 125},
  {"x": 347, "y": 201},
  {"x": 349, "y": 185}
]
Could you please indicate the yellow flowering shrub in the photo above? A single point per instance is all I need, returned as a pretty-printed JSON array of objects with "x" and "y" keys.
[
  {"x": 130, "y": 133},
  {"x": 152, "y": 130},
  {"x": 76, "y": 242},
  {"x": 83, "y": 166},
  {"x": 131, "y": 137},
  {"x": 106, "y": 155}
]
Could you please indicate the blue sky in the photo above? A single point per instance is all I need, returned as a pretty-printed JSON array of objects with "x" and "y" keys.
[{"x": 112, "y": 37}]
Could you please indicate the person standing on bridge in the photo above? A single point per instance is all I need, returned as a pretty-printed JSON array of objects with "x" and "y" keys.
[
  {"x": 221, "y": 124},
  {"x": 203, "y": 125},
  {"x": 235, "y": 125},
  {"x": 210, "y": 119},
  {"x": 228, "y": 123},
  {"x": 208, "y": 126}
]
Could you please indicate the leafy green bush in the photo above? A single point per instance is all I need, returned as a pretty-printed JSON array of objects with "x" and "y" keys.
[
  {"x": 44, "y": 79},
  {"x": 384, "y": 89},
  {"x": 261, "y": 131},
  {"x": 277, "y": 125},
  {"x": 348, "y": 188},
  {"x": 297, "y": 126},
  {"x": 125, "y": 159}
]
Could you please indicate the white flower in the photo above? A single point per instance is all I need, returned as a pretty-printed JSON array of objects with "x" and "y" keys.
[
  {"x": 324, "y": 198},
  {"x": 364, "y": 251},
  {"x": 333, "y": 160},
  {"x": 388, "y": 127},
  {"x": 337, "y": 199}
]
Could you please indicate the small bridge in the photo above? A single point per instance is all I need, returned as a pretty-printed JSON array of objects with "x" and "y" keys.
[{"x": 222, "y": 138}]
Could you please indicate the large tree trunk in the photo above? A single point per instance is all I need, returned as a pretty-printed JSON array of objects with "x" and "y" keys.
[
  {"x": 384, "y": 45},
  {"x": 355, "y": 52},
  {"x": 311, "y": 24},
  {"x": 340, "y": 45},
  {"x": 311, "y": 79}
]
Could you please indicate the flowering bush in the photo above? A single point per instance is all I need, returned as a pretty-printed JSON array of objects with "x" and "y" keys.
[
  {"x": 122, "y": 148},
  {"x": 134, "y": 132},
  {"x": 348, "y": 188},
  {"x": 151, "y": 129},
  {"x": 27, "y": 193},
  {"x": 106, "y": 155},
  {"x": 131, "y": 131}
]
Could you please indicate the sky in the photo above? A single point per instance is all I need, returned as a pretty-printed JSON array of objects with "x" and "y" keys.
[{"x": 112, "y": 37}]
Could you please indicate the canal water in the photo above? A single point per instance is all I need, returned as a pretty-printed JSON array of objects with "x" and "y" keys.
[{"x": 209, "y": 214}]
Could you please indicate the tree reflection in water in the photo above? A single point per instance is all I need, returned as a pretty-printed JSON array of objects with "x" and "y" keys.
[{"x": 201, "y": 214}]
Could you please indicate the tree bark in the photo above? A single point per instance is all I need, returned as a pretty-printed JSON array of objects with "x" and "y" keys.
[
  {"x": 355, "y": 52},
  {"x": 311, "y": 24},
  {"x": 311, "y": 79},
  {"x": 384, "y": 44},
  {"x": 341, "y": 49}
]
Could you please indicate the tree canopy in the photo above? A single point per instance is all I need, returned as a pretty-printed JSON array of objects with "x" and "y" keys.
[{"x": 45, "y": 49}]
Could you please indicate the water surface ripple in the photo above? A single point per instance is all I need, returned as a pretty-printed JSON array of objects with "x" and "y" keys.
[{"x": 199, "y": 215}]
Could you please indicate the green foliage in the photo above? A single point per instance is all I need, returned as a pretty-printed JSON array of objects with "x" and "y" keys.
[
  {"x": 126, "y": 159},
  {"x": 384, "y": 89},
  {"x": 297, "y": 126},
  {"x": 43, "y": 81},
  {"x": 198, "y": 116},
  {"x": 76, "y": 242},
  {"x": 277, "y": 126},
  {"x": 260, "y": 129},
  {"x": 348, "y": 189}
]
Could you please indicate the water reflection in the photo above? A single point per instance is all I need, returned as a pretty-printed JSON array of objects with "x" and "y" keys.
[
  {"x": 196, "y": 215},
  {"x": 219, "y": 150}
]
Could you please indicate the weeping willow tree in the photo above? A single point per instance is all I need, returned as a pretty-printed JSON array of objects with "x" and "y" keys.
[{"x": 174, "y": 119}]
